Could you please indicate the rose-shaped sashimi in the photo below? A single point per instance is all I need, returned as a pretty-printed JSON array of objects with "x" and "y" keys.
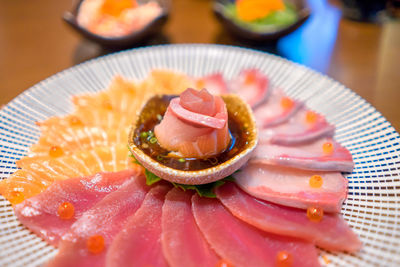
[{"x": 195, "y": 125}]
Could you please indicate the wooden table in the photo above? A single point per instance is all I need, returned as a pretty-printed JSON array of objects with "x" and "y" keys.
[{"x": 35, "y": 43}]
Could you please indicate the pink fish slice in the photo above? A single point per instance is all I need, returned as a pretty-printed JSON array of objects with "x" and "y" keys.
[
  {"x": 139, "y": 241},
  {"x": 278, "y": 109},
  {"x": 183, "y": 243},
  {"x": 252, "y": 85},
  {"x": 241, "y": 244},
  {"x": 214, "y": 83},
  {"x": 322, "y": 155},
  {"x": 305, "y": 126},
  {"x": 291, "y": 187},
  {"x": 40, "y": 213},
  {"x": 331, "y": 233},
  {"x": 101, "y": 223}
]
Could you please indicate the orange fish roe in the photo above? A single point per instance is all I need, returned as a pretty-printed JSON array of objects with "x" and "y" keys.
[
  {"x": 286, "y": 103},
  {"x": 315, "y": 214},
  {"x": 95, "y": 244},
  {"x": 251, "y": 10},
  {"x": 56, "y": 151},
  {"x": 223, "y": 263},
  {"x": 327, "y": 148},
  {"x": 284, "y": 259},
  {"x": 75, "y": 121},
  {"x": 316, "y": 181},
  {"x": 311, "y": 117},
  {"x": 250, "y": 78},
  {"x": 66, "y": 211},
  {"x": 115, "y": 7},
  {"x": 17, "y": 197},
  {"x": 200, "y": 83},
  {"x": 107, "y": 104},
  {"x": 326, "y": 260}
]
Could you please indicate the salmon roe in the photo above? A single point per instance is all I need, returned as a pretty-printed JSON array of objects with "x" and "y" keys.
[
  {"x": 250, "y": 78},
  {"x": 17, "y": 197},
  {"x": 107, "y": 104},
  {"x": 327, "y": 148},
  {"x": 95, "y": 244},
  {"x": 315, "y": 214},
  {"x": 56, "y": 151},
  {"x": 75, "y": 121},
  {"x": 284, "y": 259},
  {"x": 200, "y": 84},
  {"x": 115, "y": 7},
  {"x": 286, "y": 103},
  {"x": 66, "y": 211},
  {"x": 251, "y": 10},
  {"x": 316, "y": 181},
  {"x": 223, "y": 263},
  {"x": 311, "y": 117}
]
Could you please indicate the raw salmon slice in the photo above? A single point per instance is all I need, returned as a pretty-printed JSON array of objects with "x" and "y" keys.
[
  {"x": 331, "y": 233},
  {"x": 252, "y": 85},
  {"x": 278, "y": 109},
  {"x": 305, "y": 126},
  {"x": 214, "y": 83},
  {"x": 291, "y": 187},
  {"x": 183, "y": 243},
  {"x": 322, "y": 155},
  {"x": 167, "y": 82},
  {"x": 104, "y": 221},
  {"x": 40, "y": 213},
  {"x": 75, "y": 139},
  {"x": 241, "y": 244},
  {"x": 139, "y": 242},
  {"x": 41, "y": 171}
]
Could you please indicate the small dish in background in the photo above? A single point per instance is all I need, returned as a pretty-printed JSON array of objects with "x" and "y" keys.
[
  {"x": 125, "y": 41},
  {"x": 242, "y": 30}
]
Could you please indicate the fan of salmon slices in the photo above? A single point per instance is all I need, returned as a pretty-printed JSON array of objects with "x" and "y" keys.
[{"x": 79, "y": 190}]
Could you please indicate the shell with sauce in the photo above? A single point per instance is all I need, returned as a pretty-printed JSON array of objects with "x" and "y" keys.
[{"x": 242, "y": 127}]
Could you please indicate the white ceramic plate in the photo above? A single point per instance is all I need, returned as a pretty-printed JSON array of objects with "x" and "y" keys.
[{"x": 373, "y": 204}]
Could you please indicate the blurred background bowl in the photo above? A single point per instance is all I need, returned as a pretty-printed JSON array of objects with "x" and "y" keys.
[
  {"x": 129, "y": 40},
  {"x": 244, "y": 33}
]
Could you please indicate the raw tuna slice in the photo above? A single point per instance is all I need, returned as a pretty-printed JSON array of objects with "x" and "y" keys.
[
  {"x": 87, "y": 241},
  {"x": 291, "y": 187},
  {"x": 252, "y": 86},
  {"x": 183, "y": 243},
  {"x": 321, "y": 155},
  {"x": 305, "y": 126},
  {"x": 40, "y": 213},
  {"x": 214, "y": 83},
  {"x": 331, "y": 233},
  {"x": 278, "y": 109},
  {"x": 241, "y": 244},
  {"x": 139, "y": 242}
]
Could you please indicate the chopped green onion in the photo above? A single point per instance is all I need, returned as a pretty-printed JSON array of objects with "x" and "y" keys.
[
  {"x": 160, "y": 158},
  {"x": 181, "y": 160},
  {"x": 159, "y": 117},
  {"x": 153, "y": 140},
  {"x": 143, "y": 134}
]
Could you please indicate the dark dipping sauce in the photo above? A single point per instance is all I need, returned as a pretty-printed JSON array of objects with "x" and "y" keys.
[{"x": 144, "y": 138}]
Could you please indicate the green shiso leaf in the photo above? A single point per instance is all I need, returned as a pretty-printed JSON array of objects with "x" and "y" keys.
[
  {"x": 272, "y": 22},
  {"x": 151, "y": 178}
]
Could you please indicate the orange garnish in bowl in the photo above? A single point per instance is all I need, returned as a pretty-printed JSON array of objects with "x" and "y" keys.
[
  {"x": 115, "y": 7},
  {"x": 251, "y": 10}
]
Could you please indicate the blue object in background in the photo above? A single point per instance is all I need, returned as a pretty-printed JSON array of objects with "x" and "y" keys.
[{"x": 312, "y": 44}]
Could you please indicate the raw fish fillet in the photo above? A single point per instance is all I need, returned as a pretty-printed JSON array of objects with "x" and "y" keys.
[
  {"x": 244, "y": 245},
  {"x": 39, "y": 172},
  {"x": 291, "y": 187},
  {"x": 331, "y": 233},
  {"x": 306, "y": 156},
  {"x": 107, "y": 218},
  {"x": 39, "y": 213},
  {"x": 139, "y": 241},
  {"x": 197, "y": 135},
  {"x": 252, "y": 85},
  {"x": 214, "y": 83},
  {"x": 278, "y": 109},
  {"x": 73, "y": 139},
  {"x": 297, "y": 130},
  {"x": 183, "y": 243}
]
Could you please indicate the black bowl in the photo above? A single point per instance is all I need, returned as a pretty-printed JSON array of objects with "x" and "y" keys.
[
  {"x": 241, "y": 32},
  {"x": 131, "y": 39}
]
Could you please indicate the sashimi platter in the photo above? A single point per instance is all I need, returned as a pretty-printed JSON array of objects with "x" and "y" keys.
[{"x": 196, "y": 155}]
